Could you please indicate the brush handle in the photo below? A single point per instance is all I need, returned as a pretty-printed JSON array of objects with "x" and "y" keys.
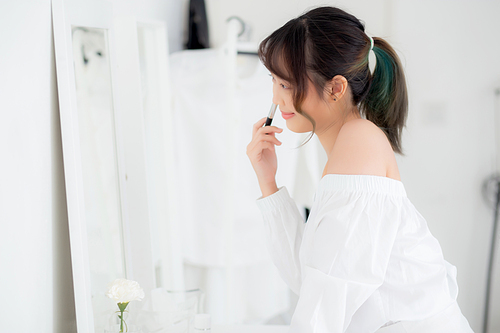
[{"x": 270, "y": 116}]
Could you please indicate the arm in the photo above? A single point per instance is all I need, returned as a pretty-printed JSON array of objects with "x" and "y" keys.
[
  {"x": 346, "y": 253},
  {"x": 283, "y": 222},
  {"x": 284, "y": 228},
  {"x": 262, "y": 155}
]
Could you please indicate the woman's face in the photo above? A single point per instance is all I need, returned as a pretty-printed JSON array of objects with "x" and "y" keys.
[{"x": 313, "y": 105}]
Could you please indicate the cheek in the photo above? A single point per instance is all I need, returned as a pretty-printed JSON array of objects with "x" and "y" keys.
[
  {"x": 299, "y": 124},
  {"x": 317, "y": 109}
]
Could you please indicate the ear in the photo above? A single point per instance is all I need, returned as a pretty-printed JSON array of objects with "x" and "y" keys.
[{"x": 337, "y": 87}]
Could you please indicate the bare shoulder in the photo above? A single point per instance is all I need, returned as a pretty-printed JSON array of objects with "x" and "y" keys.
[{"x": 362, "y": 148}]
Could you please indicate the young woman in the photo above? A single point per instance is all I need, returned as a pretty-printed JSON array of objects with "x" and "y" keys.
[{"x": 365, "y": 259}]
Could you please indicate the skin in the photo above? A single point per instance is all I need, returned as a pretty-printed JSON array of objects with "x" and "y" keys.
[{"x": 354, "y": 146}]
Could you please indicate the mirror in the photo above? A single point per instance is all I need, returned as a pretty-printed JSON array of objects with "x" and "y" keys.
[
  {"x": 92, "y": 155},
  {"x": 101, "y": 189},
  {"x": 119, "y": 205}
]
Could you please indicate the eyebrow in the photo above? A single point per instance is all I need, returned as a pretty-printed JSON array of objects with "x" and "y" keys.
[{"x": 280, "y": 78}]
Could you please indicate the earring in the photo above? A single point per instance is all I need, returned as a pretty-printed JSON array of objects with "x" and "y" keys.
[{"x": 334, "y": 96}]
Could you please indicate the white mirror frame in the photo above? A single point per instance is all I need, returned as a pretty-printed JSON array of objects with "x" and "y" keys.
[
  {"x": 92, "y": 14},
  {"x": 130, "y": 145},
  {"x": 64, "y": 15}
]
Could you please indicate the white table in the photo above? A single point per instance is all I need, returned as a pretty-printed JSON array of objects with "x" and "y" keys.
[{"x": 250, "y": 329}]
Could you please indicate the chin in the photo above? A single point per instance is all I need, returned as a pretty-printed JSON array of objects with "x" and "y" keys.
[{"x": 299, "y": 128}]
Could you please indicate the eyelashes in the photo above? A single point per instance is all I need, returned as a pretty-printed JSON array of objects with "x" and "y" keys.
[{"x": 281, "y": 84}]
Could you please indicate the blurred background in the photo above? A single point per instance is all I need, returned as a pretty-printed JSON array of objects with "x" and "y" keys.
[{"x": 450, "y": 51}]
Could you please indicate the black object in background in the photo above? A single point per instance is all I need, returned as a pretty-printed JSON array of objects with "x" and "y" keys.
[{"x": 198, "y": 25}]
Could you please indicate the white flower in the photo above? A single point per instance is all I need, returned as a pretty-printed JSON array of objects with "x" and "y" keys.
[{"x": 124, "y": 291}]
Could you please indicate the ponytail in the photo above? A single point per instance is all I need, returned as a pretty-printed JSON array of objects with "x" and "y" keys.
[{"x": 386, "y": 103}]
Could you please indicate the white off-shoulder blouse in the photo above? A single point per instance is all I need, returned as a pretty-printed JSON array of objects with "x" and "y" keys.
[{"x": 364, "y": 259}]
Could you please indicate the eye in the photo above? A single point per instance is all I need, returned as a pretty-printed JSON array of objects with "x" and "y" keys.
[{"x": 281, "y": 84}]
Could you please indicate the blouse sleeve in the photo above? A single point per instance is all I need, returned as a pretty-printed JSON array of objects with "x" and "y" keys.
[
  {"x": 346, "y": 253},
  {"x": 284, "y": 227}
]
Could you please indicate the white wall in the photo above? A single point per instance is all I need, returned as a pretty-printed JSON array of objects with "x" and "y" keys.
[
  {"x": 452, "y": 68},
  {"x": 34, "y": 253},
  {"x": 174, "y": 12},
  {"x": 266, "y": 16},
  {"x": 35, "y": 264},
  {"x": 450, "y": 51}
]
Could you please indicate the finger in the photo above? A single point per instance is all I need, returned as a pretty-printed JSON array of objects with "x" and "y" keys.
[
  {"x": 255, "y": 149},
  {"x": 269, "y": 138},
  {"x": 258, "y": 125},
  {"x": 269, "y": 130}
]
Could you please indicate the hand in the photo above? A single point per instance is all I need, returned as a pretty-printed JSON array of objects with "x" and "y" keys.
[{"x": 262, "y": 155}]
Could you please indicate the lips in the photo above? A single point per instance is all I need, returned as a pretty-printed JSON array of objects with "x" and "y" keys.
[{"x": 287, "y": 115}]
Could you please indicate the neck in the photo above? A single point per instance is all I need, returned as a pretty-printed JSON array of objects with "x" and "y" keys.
[{"x": 328, "y": 136}]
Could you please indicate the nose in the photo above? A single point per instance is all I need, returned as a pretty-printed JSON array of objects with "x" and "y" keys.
[{"x": 277, "y": 99}]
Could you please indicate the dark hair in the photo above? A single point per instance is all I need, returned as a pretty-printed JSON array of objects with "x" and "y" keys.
[{"x": 326, "y": 42}]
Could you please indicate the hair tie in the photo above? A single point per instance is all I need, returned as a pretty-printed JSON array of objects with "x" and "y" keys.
[{"x": 372, "y": 63}]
